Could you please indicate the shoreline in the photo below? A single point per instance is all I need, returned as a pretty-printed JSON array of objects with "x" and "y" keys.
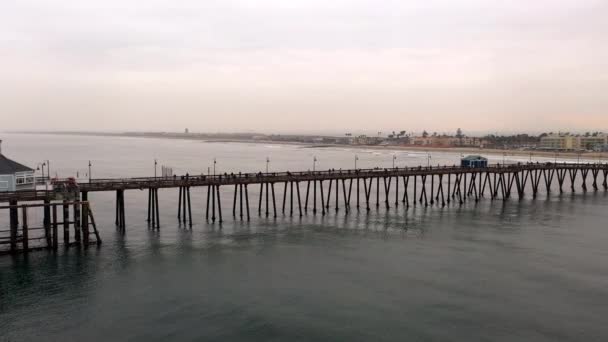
[{"x": 462, "y": 150}]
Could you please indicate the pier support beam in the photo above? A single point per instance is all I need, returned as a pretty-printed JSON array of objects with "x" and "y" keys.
[
  {"x": 14, "y": 225},
  {"x": 85, "y": 219},
  {"x": 120, "y": 209},
  {"x": 561, "y": 177},
  {"x": 46, "y": 223},
  {"x": 595, "y": 172},
  {"x": 572, "y": 173},
  {"x": 584, "y": 173},
  {"x": 219, "y": 204},
  {"x": 247, "y": 202},
  {"x": 55, "y": 228},
  {"x": 406, "y": 199},
  {"x": 153, "y": 214},
  {"x": 66, "y": 224},
  {"x": 25, "y": 238},
  {"x": 368, "y": 190},
  {"x": 184, "y": 207}
]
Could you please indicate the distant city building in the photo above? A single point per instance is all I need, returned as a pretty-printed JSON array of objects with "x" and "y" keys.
[
  {"x": 365, "y": 140},
  {"x": 186, "y": 131},
  {"x": 14, "y": 176},
  {"x": 559, "y": 141},
  {"x": 567, "y": 141},
  {"x": 445, "y": 141},
  {"x": 592, "y": 141}
]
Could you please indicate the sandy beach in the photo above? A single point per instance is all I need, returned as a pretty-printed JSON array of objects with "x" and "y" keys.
[{"x": 464, "y": 150}]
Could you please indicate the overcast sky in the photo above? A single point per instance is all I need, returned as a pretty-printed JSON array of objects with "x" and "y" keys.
[{"x": 304, "y": 65}]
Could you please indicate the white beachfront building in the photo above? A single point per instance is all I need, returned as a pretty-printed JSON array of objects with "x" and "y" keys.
[{"x": 15, "y": 176}]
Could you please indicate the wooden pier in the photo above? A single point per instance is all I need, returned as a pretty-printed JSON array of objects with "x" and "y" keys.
[
  {"x": 313, "y": 192},
  {"x": 25, "y": 235}
]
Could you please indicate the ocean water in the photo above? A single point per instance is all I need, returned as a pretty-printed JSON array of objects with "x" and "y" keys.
[{"x": 530, "y": 270}]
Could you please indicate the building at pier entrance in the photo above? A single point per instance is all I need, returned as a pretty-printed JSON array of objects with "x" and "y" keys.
[
  {"x": 474, "y": 161},
  {"x": 15, "y": 176}
]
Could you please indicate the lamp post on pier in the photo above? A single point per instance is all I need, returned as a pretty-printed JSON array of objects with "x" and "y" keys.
[
  {"x": 267, "y": 162},
  {"x": 155, "y": 167},
  {"x": 41, "y": 165},
  {"x": 314, "y": 163},
  {"x": 89, "y": 171},
  {"x": 394, "y": 158},
  {"x": 356, "y": 158},
  {"x": 214, "y": 163},
  {"x": 41, "y": 168}
]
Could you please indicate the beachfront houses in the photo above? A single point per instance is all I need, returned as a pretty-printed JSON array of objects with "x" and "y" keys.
[
  {"x": 570, "y": 142},
  {"x": 446, "y": 141},
  {"x": 15, "y": 176}
]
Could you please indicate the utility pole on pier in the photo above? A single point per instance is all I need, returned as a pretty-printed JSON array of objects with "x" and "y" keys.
[
  {"x": 214, "y": 162},
  {"x": 41, "y": 165},
  {"x": 356, "y": 158},
  {"x": 267, "y": 162},
  {"x": 89, "y": 171},
  {"x": 155, "y": 163},
  {"x": 314, "y": 163}
]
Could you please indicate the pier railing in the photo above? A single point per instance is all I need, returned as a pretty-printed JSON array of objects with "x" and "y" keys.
[
  {"x": 112, "y": 184},
  {"x": 109, "y": 184}
]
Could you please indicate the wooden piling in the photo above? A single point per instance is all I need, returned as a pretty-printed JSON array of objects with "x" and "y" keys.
[
  {"x": 328, "y": 195},
  {"x": 77, "y": 226},
  {"x": 247, "y": 202},
  {"x": 208, "y": 200},
  {"x": 156, "y": 208},
  {"x": 219, "y": 204},
  {"x": 322, "y": 197},
  {"x": 66, "y": 224},
  {"x": 47, "y": 224},
  {"x": 274, "y": 202},
  {"x": 25, "y": 238},
  {"x": 299, "y": 201},
  {"x": 179, "y": 204},
  {"x": 189, "y": 209},
  {"x": 55, "y": 228},
  {"x": 291, "y": 198}
]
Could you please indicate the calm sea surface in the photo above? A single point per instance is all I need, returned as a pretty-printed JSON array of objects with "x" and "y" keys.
[{"x": 531, "y": 270}]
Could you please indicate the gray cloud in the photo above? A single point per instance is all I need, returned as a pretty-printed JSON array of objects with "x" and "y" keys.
[{"x": 304, "y": 65}]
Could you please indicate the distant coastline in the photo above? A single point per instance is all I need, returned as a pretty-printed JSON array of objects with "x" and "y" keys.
[{"x": 247, "y": 138}]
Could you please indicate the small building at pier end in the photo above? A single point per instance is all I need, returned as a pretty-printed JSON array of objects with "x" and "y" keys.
[
  {"x": 474, "y": 161},
  {"x": 15, "y": 176}
]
